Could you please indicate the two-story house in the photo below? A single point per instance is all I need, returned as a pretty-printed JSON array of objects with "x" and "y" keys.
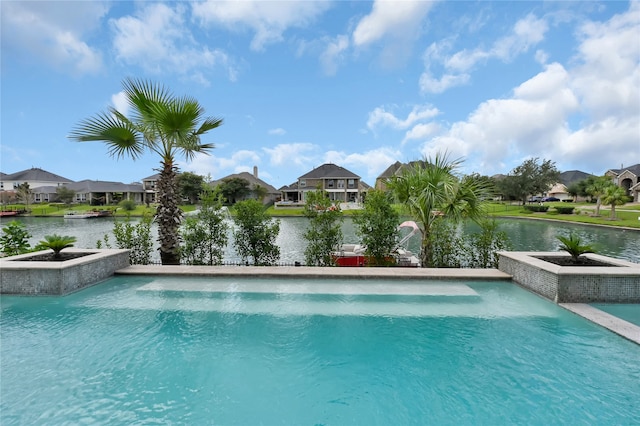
[
  {"x": 342, "y": 185},
  {"x": 627, "y": 178}
]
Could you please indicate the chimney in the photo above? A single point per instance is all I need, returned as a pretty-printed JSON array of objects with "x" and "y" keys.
[{"x": 255, "y": 172}]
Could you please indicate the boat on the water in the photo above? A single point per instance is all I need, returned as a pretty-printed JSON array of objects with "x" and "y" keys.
[
  {"x": 355, "y": 254},
  {"x": 88, "y": 215}
]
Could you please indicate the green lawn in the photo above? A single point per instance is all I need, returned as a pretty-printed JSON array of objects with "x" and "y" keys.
[{"x": 583, "y": 213}]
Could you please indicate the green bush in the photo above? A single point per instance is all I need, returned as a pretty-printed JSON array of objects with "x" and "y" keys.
[
  {"x": 537, "y": 208},
  {"x": 14, "y": 239},
  {"x": 564, "y": 210}
]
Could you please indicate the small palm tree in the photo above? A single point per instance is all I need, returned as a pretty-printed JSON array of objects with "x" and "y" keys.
[
  {"x": 614, "y": 196},
  {"x": 432, "y": 191},
  {"x": 573, "y": 245},
  {"x": 161, "y": 123},
  {"x": 57, "y": 243}
]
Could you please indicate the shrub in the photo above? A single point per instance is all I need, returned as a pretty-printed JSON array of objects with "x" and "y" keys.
[
  {"x": 127, "y": 205},
  {"x": 134, "y": 237},
  {"x": 537, "y": 208},
  {"x": 573, "y": 245},
  {"x": 255, "y": 234},
  {"x": 57, "y": 243},
  {"x": 564, "y": 210},
  {"x": 14, "y": 239}
]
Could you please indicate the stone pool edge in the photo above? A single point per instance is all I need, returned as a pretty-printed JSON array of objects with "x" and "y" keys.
[
  {"x": 604, "y": 319},
  {"x": 316, "y": 271}
]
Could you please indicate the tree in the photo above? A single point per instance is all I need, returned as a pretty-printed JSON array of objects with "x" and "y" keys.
[
  {"x": 529, "y": 178},
  {"x": 255, "y": 237},
  {"x": 65, "y": 195},
  {"x": 324, "y": 233},
  {"x": 596, "y": 187},
  {"x": 163, "y": 124},
  {"x": 614, "y": 195},
  {"x": 190, "y": 186},
  {"x": 24, "y": 194},
  {"x": 260, "y": 192},
  {"x": 234, "y": 189},
  {"x": 205, "y": 235},
  {"x": 377, "y": 225},
  {"x": 434, "y": 191}
]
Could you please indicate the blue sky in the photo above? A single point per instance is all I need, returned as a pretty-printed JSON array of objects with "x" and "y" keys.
[{"x": 359, "y": 84}]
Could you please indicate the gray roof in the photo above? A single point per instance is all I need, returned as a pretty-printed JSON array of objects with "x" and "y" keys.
[
  {"x": 253, "y": 181},
  {"x": 94, "y": 186},
  {"x": 572, "y": 176},
  {"x": 329, "y": 170},
  {"x": 36, "y": 174},
  {"x": 289, "y": 188},
  {"x": 635, "y": 169},
  {"x": 391, "y": 170},
  {"x": 152, "y": 177}
]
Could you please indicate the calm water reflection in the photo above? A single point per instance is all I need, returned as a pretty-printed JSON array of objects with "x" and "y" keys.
[{"x": 525, "y": 235}]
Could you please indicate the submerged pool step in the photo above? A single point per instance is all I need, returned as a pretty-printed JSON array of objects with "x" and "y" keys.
[{"x": 364, "y": 289}]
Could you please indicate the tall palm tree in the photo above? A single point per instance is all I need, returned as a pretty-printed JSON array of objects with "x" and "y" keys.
[
  {"x": 615, "y": 196},
  {"x": 432, "y": 190},
  {"x": 161, "y": 123}
]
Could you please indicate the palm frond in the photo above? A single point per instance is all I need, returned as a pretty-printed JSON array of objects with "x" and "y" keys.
[{"x": 121, "y": 137}]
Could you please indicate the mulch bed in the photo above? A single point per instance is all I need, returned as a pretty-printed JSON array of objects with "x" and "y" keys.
[
  {"x": 567, "y": 261},
  {"x": 48, "y": 257}
]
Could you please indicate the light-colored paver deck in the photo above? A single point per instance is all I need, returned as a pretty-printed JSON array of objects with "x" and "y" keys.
[
  {"x": 317, "y": 272},
  {"x": 606, "y": 320}
]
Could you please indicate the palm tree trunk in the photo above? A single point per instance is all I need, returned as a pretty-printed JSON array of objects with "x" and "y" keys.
[{"x": 168, "y": 215}]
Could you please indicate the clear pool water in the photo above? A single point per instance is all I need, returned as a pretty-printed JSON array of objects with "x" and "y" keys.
[
  {"x": 627, "y": 311},
  {"x": 139, "y": 350}
]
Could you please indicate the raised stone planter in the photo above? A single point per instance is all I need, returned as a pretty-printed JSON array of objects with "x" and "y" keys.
[
  {"x": 619, "y": 282},
  {"x": 19, "y": 276}
]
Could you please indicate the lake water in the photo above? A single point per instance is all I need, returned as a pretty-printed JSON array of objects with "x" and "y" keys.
[{"x": 525, "y": 235}]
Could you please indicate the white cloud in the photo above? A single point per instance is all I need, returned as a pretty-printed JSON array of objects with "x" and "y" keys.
[
  {"x": 421, "y": 131},
  {"x": 278, "y": 132},
  {"x": 534, "y": 120},
  {"x": 120, "y": 103},
  {"x": 158, "y": 40},
  {"x": 218, "y": 167},
  {"x": 525, "y": 34},
  {"x": 608, "y": 77},
  {"x": 53, "y": 33},
  {"x": 334, "y": 54},
  {"x": 398, "y": 19},
  {"x": 381, "y": 117},
  {"x": 296, "y": 154},
  {"x": 269, "y": 20},
  {"x": 374, "y": 161}
]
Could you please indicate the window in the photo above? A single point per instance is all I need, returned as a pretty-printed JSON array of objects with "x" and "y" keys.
[
  {"x": 303, "y": 183},
  {"x": 351, "y": 183},
  {"x": 330, "y": 183},
  {"x": 341, "y": 183}
]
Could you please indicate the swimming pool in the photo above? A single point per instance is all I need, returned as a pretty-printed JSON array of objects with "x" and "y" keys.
[
  {"x": 137, "y": 350},
  {"x": 627, "y": 311}
]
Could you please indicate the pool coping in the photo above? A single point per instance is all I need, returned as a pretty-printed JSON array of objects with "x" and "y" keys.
[
  {"x": 317, "y": 271},
  {"x": 604, "y": 319}
]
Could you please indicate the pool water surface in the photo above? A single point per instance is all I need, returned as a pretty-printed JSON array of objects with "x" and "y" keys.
[{"x": 140, "y": 350}]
